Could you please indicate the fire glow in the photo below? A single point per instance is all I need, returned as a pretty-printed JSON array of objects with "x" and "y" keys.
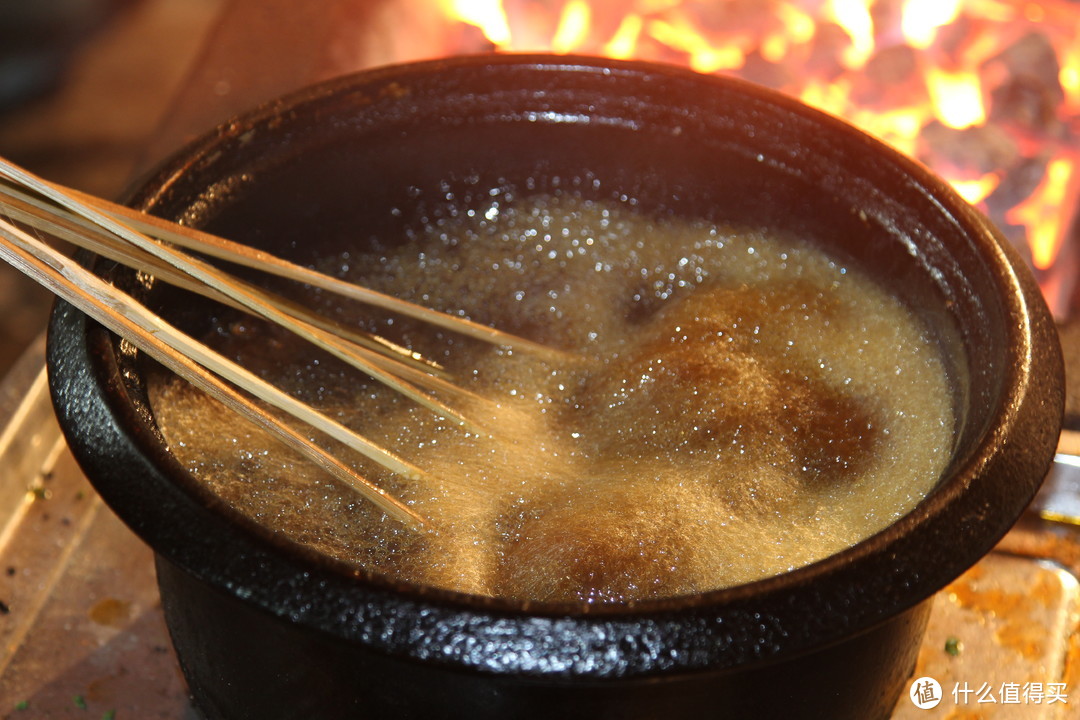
[{"x": 984, "y": 92}]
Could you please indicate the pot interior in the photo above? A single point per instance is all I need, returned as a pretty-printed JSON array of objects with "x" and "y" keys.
[{"x": 339, "y": 172}]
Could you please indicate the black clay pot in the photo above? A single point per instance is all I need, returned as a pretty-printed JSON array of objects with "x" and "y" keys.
[{"x": 265, "y": 629}]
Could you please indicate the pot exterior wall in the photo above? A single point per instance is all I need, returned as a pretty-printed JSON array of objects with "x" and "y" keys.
[{"x": 242, "y": 663}]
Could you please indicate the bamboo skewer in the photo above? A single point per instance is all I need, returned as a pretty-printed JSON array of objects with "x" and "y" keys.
[
  {"x": 188, "y": 358},
  {"x": 150, "y": 246},
  {"x": 223, "y": 283},
  {"x": 64, "y": 225},
  {"x": 223, "y": 249},
  {"x": 392, "y": 362}
]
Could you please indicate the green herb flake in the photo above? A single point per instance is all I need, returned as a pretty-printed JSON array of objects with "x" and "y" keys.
[
  {"x": 953, "y": 646},
  {"x": 80, "y": 702},
  {"x": 22, "y": 705},
  {"x": 109, "y": 715}
]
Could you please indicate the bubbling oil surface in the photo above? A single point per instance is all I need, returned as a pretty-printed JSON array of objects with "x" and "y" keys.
[{"x": 740, "y": 405}]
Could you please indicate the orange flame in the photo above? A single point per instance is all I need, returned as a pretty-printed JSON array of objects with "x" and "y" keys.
[
  {"x": 922, "y": 18},
  {"x": 573, "y": 27},
  {"x": 956, "y": 97},
  {"x": 854, "y": 17},
  {"x": 950, "y": 44},
  {"x": 488, "y": 15},
  {"x": 975, "y": 191},
  {"x": 1044, "y": 212},
  {"x": 625, "y": 39}
]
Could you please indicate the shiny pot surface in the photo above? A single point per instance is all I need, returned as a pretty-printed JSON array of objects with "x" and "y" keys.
[{"x": 265, "y": 629}]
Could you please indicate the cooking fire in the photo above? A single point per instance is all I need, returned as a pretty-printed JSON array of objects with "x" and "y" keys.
[{"x": 985, "y": 92}]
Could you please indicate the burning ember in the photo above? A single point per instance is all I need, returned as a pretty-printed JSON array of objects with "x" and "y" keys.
[{"x": 985, "y": 92}]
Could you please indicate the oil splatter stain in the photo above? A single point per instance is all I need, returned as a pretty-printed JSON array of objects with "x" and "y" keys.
[{"x": 110, "y": 612}]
